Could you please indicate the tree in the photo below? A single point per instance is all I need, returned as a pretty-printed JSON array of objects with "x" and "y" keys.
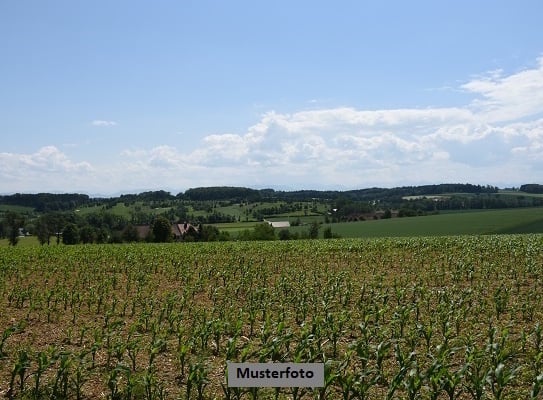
[
  {"x": 284, "y": 234},
  {"x": 314, "y": 230},
  {"x": 3, "y": 229},
  {"x": 87, "y": 234},
  {"x": 162, "y": 230},
  {"x": 52, "y": 224},
  {"x": 102, "y": 235},
  {"x": 208, "y": 233},
  {"x": 263, "y": 231},
  {"x": 328, "y": 234},
  {"x": 130, "y": 233},
  {"x": 43, "y": 231},
  {"x": 70, "y": 234},
  {"x": 13, "y": 221}
]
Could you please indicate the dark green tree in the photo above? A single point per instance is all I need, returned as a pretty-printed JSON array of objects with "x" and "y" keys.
[
  {"x": 209, "y": 233},
  {"x": 70, "y": 234},
  {"x": 43, "y": 230},
  {"x": 13, "y": 222},
  {"x": 52, "y": 224},
  {"x": 245, "y": 235},
  {"x": 314, "y": 230},
  {"x": 87, "y": 234},
  {"x": 284, "y": 234},
  {"x": 263, "y": 231},
  {"x": 328, "y": 234},
  {"x": 130, "y": 233},
  {"x": 162, "y": 230},
  {"x": 102, "y": 235}
]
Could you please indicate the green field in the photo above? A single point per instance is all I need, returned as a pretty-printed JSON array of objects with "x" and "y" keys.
[
  {"x": 507, "y": 221},
  {"x": 122, "y": 209},
  {"x": 516, "y": 193},
  {"x": 18, "y": 209},
  {"x": 519, "y": 220},
  {"x": 400, "y": 318},
  {"x": 25, "y": 241}
]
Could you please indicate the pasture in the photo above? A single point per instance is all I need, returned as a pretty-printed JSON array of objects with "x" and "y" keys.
[
  {"x": 455, "y": 317},
  {"x": 518, "y": 220}
]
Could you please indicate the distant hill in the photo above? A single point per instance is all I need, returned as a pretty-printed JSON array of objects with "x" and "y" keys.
[
  {"x": 44, "y": 202},
  {"x": 457, "y": 194}
]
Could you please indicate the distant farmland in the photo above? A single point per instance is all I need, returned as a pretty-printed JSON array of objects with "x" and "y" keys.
[{"x": 524, "y": 220}]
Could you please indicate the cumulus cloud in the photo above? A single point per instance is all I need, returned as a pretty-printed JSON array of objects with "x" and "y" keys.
[
  {"x": 103, "y": 123},
  {"x": 506, "y": 98},
  {"x": 495, "y": 138},
  {"x": 47, "y": 159},
  {"x": 46, "y": 169}
]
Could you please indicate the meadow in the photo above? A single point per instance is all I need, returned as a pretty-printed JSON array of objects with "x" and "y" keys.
[
  {"x": 472, "y": 222},
  {"x": 518, "y": 220},
  {"x": 453, "y": 317}
]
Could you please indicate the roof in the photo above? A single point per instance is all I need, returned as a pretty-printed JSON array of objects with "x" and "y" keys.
[
  {"x": 279, "y": 224},
  {"x": 178, "y": 230}
]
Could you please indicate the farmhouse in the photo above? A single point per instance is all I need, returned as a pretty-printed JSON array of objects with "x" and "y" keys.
[
  {"x": 279, "y": 224},
  {"x": 178, "y": 230}
]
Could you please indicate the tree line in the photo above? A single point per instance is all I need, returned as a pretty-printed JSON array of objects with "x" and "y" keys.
[
  {"x": 45, "y": 202},
  {"x": 69, "y": 228}
]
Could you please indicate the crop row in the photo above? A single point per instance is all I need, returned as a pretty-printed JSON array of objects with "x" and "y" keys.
[{"x": 432, "y": 318}]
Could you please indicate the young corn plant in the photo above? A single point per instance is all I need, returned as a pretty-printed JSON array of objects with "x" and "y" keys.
[
  {"x": 149, "y": 383},
  {"x": 413, "y": 381},
  {"x": 62, "y": 377},
  {"x": 197, "y": 379},
  {"x": 405, "y": 361},
  {"x": 44, "y": 360},
  {"x": 537, "y": 385},
  {"x": 5, "y": 335},
  {"x": 329, "y": 379},
  {"x": 79, "y": 376},
  {"x": 382, "y": 351},
  {"x": 477, "y": 372},
  {"x": 19, "y": 370},
  {"x": 500, "y": 377}
]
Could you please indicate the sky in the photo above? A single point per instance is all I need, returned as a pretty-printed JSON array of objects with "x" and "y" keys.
[{"x": 106, "y": 97}]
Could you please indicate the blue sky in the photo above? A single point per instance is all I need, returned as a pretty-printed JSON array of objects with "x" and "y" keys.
[{"x": 106, "y": 97}]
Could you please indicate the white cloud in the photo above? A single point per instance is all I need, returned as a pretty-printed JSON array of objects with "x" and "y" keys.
[
  {"x": 46, "y": 169},
  {"x": 496, "y": 138},
  {"x": 103, "y": 123},
  {"x": 506, "y": 98},
  {"x": 46, "y": 159}
]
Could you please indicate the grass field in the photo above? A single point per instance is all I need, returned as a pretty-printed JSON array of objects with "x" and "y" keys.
[
  {"x": 122, "y": 210},
  {"x": 399, "y": 318},
  {"x": 17, "y": 209},
  {"x": 519, "y": 220},
  {"x": 515, "y": 193},
  {"x": 27, "y": 241},
  {"x": 472, "y": 222}
]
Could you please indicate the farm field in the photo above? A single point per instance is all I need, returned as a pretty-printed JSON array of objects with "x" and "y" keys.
[
  {"x": 24, "y": 241},
  {"x": 472, "y": 222},
  {"x": 520, "y": 220},
  {"x": 455, "y": 317}
]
